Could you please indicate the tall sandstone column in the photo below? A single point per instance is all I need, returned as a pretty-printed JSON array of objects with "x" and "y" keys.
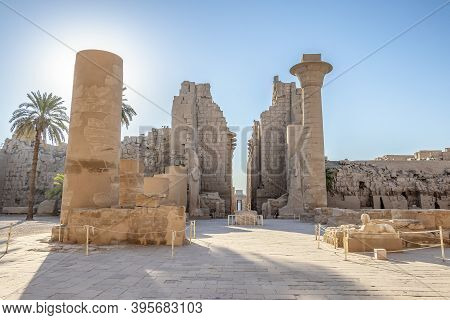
[
  {"x": 311, "y": 72},
  {"x": 93, "y": 152}
]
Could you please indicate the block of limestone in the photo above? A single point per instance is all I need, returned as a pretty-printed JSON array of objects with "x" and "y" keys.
[{"x": 380, "y": 254}]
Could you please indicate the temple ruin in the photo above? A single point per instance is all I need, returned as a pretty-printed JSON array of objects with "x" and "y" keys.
[
  {"x": 191, "y": 161},
  {"x": 288, "y": 152},
  {"x": 288, "y": 175},
  {"x": 104, "y": 199}
]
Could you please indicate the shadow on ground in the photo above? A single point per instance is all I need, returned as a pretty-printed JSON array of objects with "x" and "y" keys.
[
  {"x": 277, "y": 261},
  {"x": 202, "y": 270}
]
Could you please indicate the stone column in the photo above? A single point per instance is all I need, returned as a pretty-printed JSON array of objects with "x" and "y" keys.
[
  {"x": 294, "y": 206},
  {"x": 93, "y": 151},
  {"x": 311, "y": 72},
  {"x": 131, "y": 181}
]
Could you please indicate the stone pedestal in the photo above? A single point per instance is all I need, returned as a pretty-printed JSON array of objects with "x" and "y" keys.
[
  {"x": 131, "y": 181},
  {"x": 311, "y": 72},
  {"x": 244, "y": 218},
  {"x": 367, "y": 242},
  {"x": 93, "y": 151}
]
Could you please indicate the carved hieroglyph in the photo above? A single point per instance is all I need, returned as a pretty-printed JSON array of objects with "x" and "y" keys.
[
  {"x": 93, "y": 151},
  {"x": 294, "y": 171},
  {"x": 194, "y": 183}
]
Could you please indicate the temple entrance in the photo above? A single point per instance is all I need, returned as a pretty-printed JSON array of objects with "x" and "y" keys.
[{"x": 239, "y": 205}]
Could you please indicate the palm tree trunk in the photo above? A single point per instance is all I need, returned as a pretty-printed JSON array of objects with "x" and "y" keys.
[{"x": 33, "y": 172}]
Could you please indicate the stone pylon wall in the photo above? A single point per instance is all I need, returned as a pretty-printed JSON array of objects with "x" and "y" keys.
[
  {"x": 267, "y": 148},
  {"x": 198, "y": 123}
]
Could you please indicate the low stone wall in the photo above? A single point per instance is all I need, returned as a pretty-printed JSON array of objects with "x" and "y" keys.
[
  {"x": 212, "y": 204},
  {"x": 141, "y": 225},
  {"x": 245, "y": 218},
  {"x": 429, "y": 218}
]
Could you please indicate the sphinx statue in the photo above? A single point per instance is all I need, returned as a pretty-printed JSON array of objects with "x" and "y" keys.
[{"x": 373, "y": 227}]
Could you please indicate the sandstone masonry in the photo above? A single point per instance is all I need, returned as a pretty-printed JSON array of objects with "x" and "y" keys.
[{"x": 15, "y": 165}]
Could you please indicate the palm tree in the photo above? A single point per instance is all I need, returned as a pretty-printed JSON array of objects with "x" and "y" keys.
[
  {"x": 56, "y": 191},
  {"x": 44, "y": 117},
  {"x": 127, "y": 110}
]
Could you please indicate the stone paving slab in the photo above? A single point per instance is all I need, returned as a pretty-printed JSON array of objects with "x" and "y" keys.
[{"x": 277, "y": 261}]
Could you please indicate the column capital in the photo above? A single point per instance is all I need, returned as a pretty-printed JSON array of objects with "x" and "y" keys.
[{"x": 311, "y": 70}]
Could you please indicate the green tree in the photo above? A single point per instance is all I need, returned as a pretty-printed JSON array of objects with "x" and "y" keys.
[
  {"x": 44, "y": 117},
  {"x": 127, "y": 110},
  {"x": 330, "y": 177},
  {"x": 56, "y": 191}
]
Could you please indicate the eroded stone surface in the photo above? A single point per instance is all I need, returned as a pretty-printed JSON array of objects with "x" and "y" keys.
[
  {"x": 93, "y": 151},
  {"x": 151, "y": 224}
]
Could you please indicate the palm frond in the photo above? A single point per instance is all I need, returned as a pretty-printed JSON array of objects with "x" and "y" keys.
[
  {"x": 128, "y": 111},
  {"x": 44, "y": 113}
]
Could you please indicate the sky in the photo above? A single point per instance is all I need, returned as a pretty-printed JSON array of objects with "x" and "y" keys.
[{"x": 389, "y": 91}]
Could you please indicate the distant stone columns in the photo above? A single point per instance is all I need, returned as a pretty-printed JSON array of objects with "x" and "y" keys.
[
  {"x": 93, "y": 152},
  {"x": 311, "y": 72}
]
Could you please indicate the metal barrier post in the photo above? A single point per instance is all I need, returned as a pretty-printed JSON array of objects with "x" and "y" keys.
[
  {"x": 87, "y": 240},
  {"x": 173, "y": 241},
  {"x": 335, "y": 239},
  {"x": 195, "y": 229},
  {"x": 442, "y": 243},
  {"x": 345, "y": 244},
  {"x": 190, "y": 232},
  {"x": 318, "y": 238},
  {"x": 9, "y": 238}
]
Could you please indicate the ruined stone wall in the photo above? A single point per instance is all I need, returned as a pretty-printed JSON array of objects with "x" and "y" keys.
[
  {"x": 214, "y": 148},
  {"x": 389, "y": 184},
  {"x": 421, "y": 155},
  {"x": 16, "y": 157},
  {"x": 15, "y": 165},
  {"x": 198, "y": 124},
  {"x": 194, "y": 115},
  {"x": 153, "y": 149},
  {"x": 3, "y": 171},
  {"x": 253, "y": 165},
  {"x": 285, "y": 110}
]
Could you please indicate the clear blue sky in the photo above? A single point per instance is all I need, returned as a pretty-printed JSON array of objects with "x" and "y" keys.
[{"x": 396, "y": 101}]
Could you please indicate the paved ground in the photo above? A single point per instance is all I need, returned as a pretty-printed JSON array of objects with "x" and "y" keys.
[{"x": 277, "y": 261}]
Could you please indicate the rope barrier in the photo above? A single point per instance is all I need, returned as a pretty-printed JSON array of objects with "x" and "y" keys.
[
  {"x": 442, "y": 243},
  {"x": 125, "y": 232},
  {"x": 9, "y": 238},
  {"x": 426, "y": 231},
  {"x": 88, "y": 228},
  {"x": 318, "y": 236},
  {"x": 256, "y": 220},
  {"x": 346, "y": 238}
]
